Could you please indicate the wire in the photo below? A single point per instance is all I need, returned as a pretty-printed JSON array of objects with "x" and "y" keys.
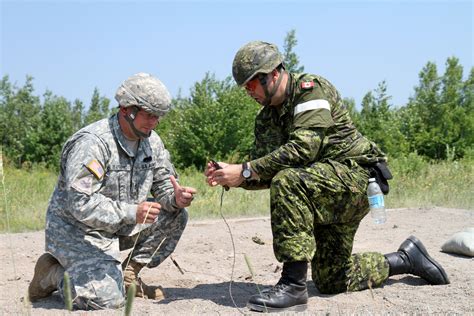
[
  {"x": 233, "y": 255},
  {"x": 136, "y": 240}
]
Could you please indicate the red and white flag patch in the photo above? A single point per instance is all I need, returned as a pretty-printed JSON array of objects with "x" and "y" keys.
[{"x": 307, "y": 85}]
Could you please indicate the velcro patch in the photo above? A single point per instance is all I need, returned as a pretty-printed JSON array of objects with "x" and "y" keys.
[
  {"x": 84, "y": 184},
  {"x": 95, "y": 168},
  {"x": 306, "y": 85}
]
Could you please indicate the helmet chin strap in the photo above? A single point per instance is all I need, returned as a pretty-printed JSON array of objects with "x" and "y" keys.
[
  {"x": 130, "y": 118},
  {"x": 269, "y": 95}
]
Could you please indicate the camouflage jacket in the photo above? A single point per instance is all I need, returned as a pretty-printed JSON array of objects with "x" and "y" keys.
[
  {"x": 101, "y": 182},
  {"x": 312, "y": 125}
]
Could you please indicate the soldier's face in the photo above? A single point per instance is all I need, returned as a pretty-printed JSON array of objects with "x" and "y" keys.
[
  {"x": 255, "y": 90},
  {"x": 146, "y": 122}
]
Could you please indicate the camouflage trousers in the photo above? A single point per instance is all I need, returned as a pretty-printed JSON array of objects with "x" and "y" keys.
[
  {"x": 315, "y": 213},
  {"x": 96, "y": 271}
]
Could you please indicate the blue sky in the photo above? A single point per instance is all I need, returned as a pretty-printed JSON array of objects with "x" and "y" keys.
[{"x": 72, "y": 47}]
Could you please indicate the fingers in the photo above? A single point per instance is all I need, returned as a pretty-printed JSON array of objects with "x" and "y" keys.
[
  {"x": 190, "y": 190},
  {"x": 186, "y": 196},
  {"x": 175, "y": 184},
  {"x": 147, "y": 212},
  {"x": 211, "y": 182},
  {"x": 209, "y": 169}
]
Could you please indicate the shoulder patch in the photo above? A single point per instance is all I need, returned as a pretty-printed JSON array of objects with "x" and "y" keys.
[
  {"x": 95, "y": 168},
  {"x": 307, "y": 85}
]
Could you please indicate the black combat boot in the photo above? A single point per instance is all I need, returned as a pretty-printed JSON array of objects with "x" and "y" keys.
[
  {"x": 289, "y": 294},
  {"x": 413, "y": 258}
]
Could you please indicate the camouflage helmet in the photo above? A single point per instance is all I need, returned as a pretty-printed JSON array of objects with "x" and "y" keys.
[
  {"x": 254, "y": 58},
  {"x": 146, "y": 92}
]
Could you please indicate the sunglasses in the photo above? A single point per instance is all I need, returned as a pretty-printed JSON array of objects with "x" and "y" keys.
[{"x": 252, "y": 84}]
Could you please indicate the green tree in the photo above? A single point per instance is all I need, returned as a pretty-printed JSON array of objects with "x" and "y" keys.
[
  {"x": 55, "y": 127},
  {"x": 290, "y": 59},
  {"x": 380, "y": 122},
  {"x": 77, "y": 115},
  {"x": 20, "y": 116},
  {"x": 454, "y": 122},
  {"x": 98, "y": 109},
  {"x": 438, "y": 119},
  {"x": 215, "y": 122},
  {"x": 466, "y": 140},
  {"x": 421, "y": 110}
]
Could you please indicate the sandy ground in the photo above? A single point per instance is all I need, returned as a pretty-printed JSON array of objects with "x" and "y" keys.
[{"x": 206, "y": 257}]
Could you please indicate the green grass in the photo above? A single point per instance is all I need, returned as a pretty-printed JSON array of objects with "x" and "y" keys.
[
  {"x": 416, "y": 183},
  {"x": 27, "y": 195}
]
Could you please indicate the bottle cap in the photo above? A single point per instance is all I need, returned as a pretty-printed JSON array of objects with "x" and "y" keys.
[{"x": 371, "y": 179}]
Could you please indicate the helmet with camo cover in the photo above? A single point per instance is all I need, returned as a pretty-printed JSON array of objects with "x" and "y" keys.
[
  {"x": 254, "y": 58},
  {"x": 146, "y": 92}
]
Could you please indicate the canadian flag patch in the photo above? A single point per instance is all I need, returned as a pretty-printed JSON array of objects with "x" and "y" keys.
[{"x": 307, "y": 85}]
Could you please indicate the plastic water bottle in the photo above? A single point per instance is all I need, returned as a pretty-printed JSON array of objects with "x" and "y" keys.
[{"x": 376, "y": 202}]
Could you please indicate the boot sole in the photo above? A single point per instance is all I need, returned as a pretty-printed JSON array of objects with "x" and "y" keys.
[
  {"x": 35, "y": 291},
  {"x": 423, "y": 250},
  {"x": 266, "y": 309}
]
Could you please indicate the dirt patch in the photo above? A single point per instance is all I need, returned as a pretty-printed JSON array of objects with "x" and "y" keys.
[{"x": 205, "y": 255}]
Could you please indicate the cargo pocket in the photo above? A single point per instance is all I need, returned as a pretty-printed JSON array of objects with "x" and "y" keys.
[{"x": 117, "y": 182}]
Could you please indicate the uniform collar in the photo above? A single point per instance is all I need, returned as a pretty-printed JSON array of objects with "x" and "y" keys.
[
  {"x": 289, "y": 91},
  {"x": 143, "y": 145}
]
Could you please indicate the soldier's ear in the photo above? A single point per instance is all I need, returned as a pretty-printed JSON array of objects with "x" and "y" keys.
[
  {"x": 275, "y": 74},
  {"x": 123, "y": 110}
]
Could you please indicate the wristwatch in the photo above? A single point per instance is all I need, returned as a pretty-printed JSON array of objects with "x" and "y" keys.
[{"x": 246, "y": 172}]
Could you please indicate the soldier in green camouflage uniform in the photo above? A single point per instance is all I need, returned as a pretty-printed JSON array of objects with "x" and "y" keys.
[
  {"x": 315, "y": 162},
  {"x": 100, "y": 205}
]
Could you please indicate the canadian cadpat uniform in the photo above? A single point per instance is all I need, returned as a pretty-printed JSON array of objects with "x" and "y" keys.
[
  {"x": 311, "y": 156},
  {"x": 92, "y": 212}
]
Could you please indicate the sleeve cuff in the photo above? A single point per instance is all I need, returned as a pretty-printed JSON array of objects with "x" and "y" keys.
[
  {"x": 130, "y": 213},
  {"x": 255, "y": 166}
]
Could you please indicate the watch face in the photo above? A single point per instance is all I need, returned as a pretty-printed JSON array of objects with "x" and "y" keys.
[{"x": 246, "y": 173}]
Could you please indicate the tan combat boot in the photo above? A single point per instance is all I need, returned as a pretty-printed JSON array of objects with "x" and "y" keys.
[
  {"x": 48, "y": 272},
  {"x": 130, "y": 275}
]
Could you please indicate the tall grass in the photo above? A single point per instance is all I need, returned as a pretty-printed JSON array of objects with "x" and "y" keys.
[
  {"x": 416, "y": 183},
  {"x": 27, "y": 195}
]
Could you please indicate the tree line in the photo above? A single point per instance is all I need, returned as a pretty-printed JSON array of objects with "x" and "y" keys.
[{"x": 216, "y": 120}]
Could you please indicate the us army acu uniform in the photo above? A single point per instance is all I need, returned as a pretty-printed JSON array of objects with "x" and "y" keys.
[
  {"x": 92, "y": 213},
  {"x": 316, "y": 164}
]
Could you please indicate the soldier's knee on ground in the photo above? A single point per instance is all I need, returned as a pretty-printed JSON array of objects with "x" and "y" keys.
[
  {"x": 97, "y": 294},
  {"x": 97, "y": 288},
  {"x": 329, "y": 287},
  {"x": 329, "y": 284},
  {"x": 112, "y": 301}
]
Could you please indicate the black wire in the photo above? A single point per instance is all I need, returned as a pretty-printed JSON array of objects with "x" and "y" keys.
[{"x": 233, "y": 249}]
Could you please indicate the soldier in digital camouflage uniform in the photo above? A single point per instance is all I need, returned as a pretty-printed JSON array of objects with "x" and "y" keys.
[
  {"x": 100, "y": 206},
  {"x": 316, "y": 164}
]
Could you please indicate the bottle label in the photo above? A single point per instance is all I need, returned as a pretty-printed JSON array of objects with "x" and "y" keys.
[{"x": 376, "y": 201}]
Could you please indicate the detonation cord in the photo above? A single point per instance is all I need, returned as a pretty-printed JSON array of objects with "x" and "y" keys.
[
  {"x": 233, "y": 255},
  {"x": 135, "y": 244}
]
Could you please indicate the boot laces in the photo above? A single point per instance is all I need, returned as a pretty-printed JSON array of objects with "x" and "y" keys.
[{"x": 276, "y": 289}]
